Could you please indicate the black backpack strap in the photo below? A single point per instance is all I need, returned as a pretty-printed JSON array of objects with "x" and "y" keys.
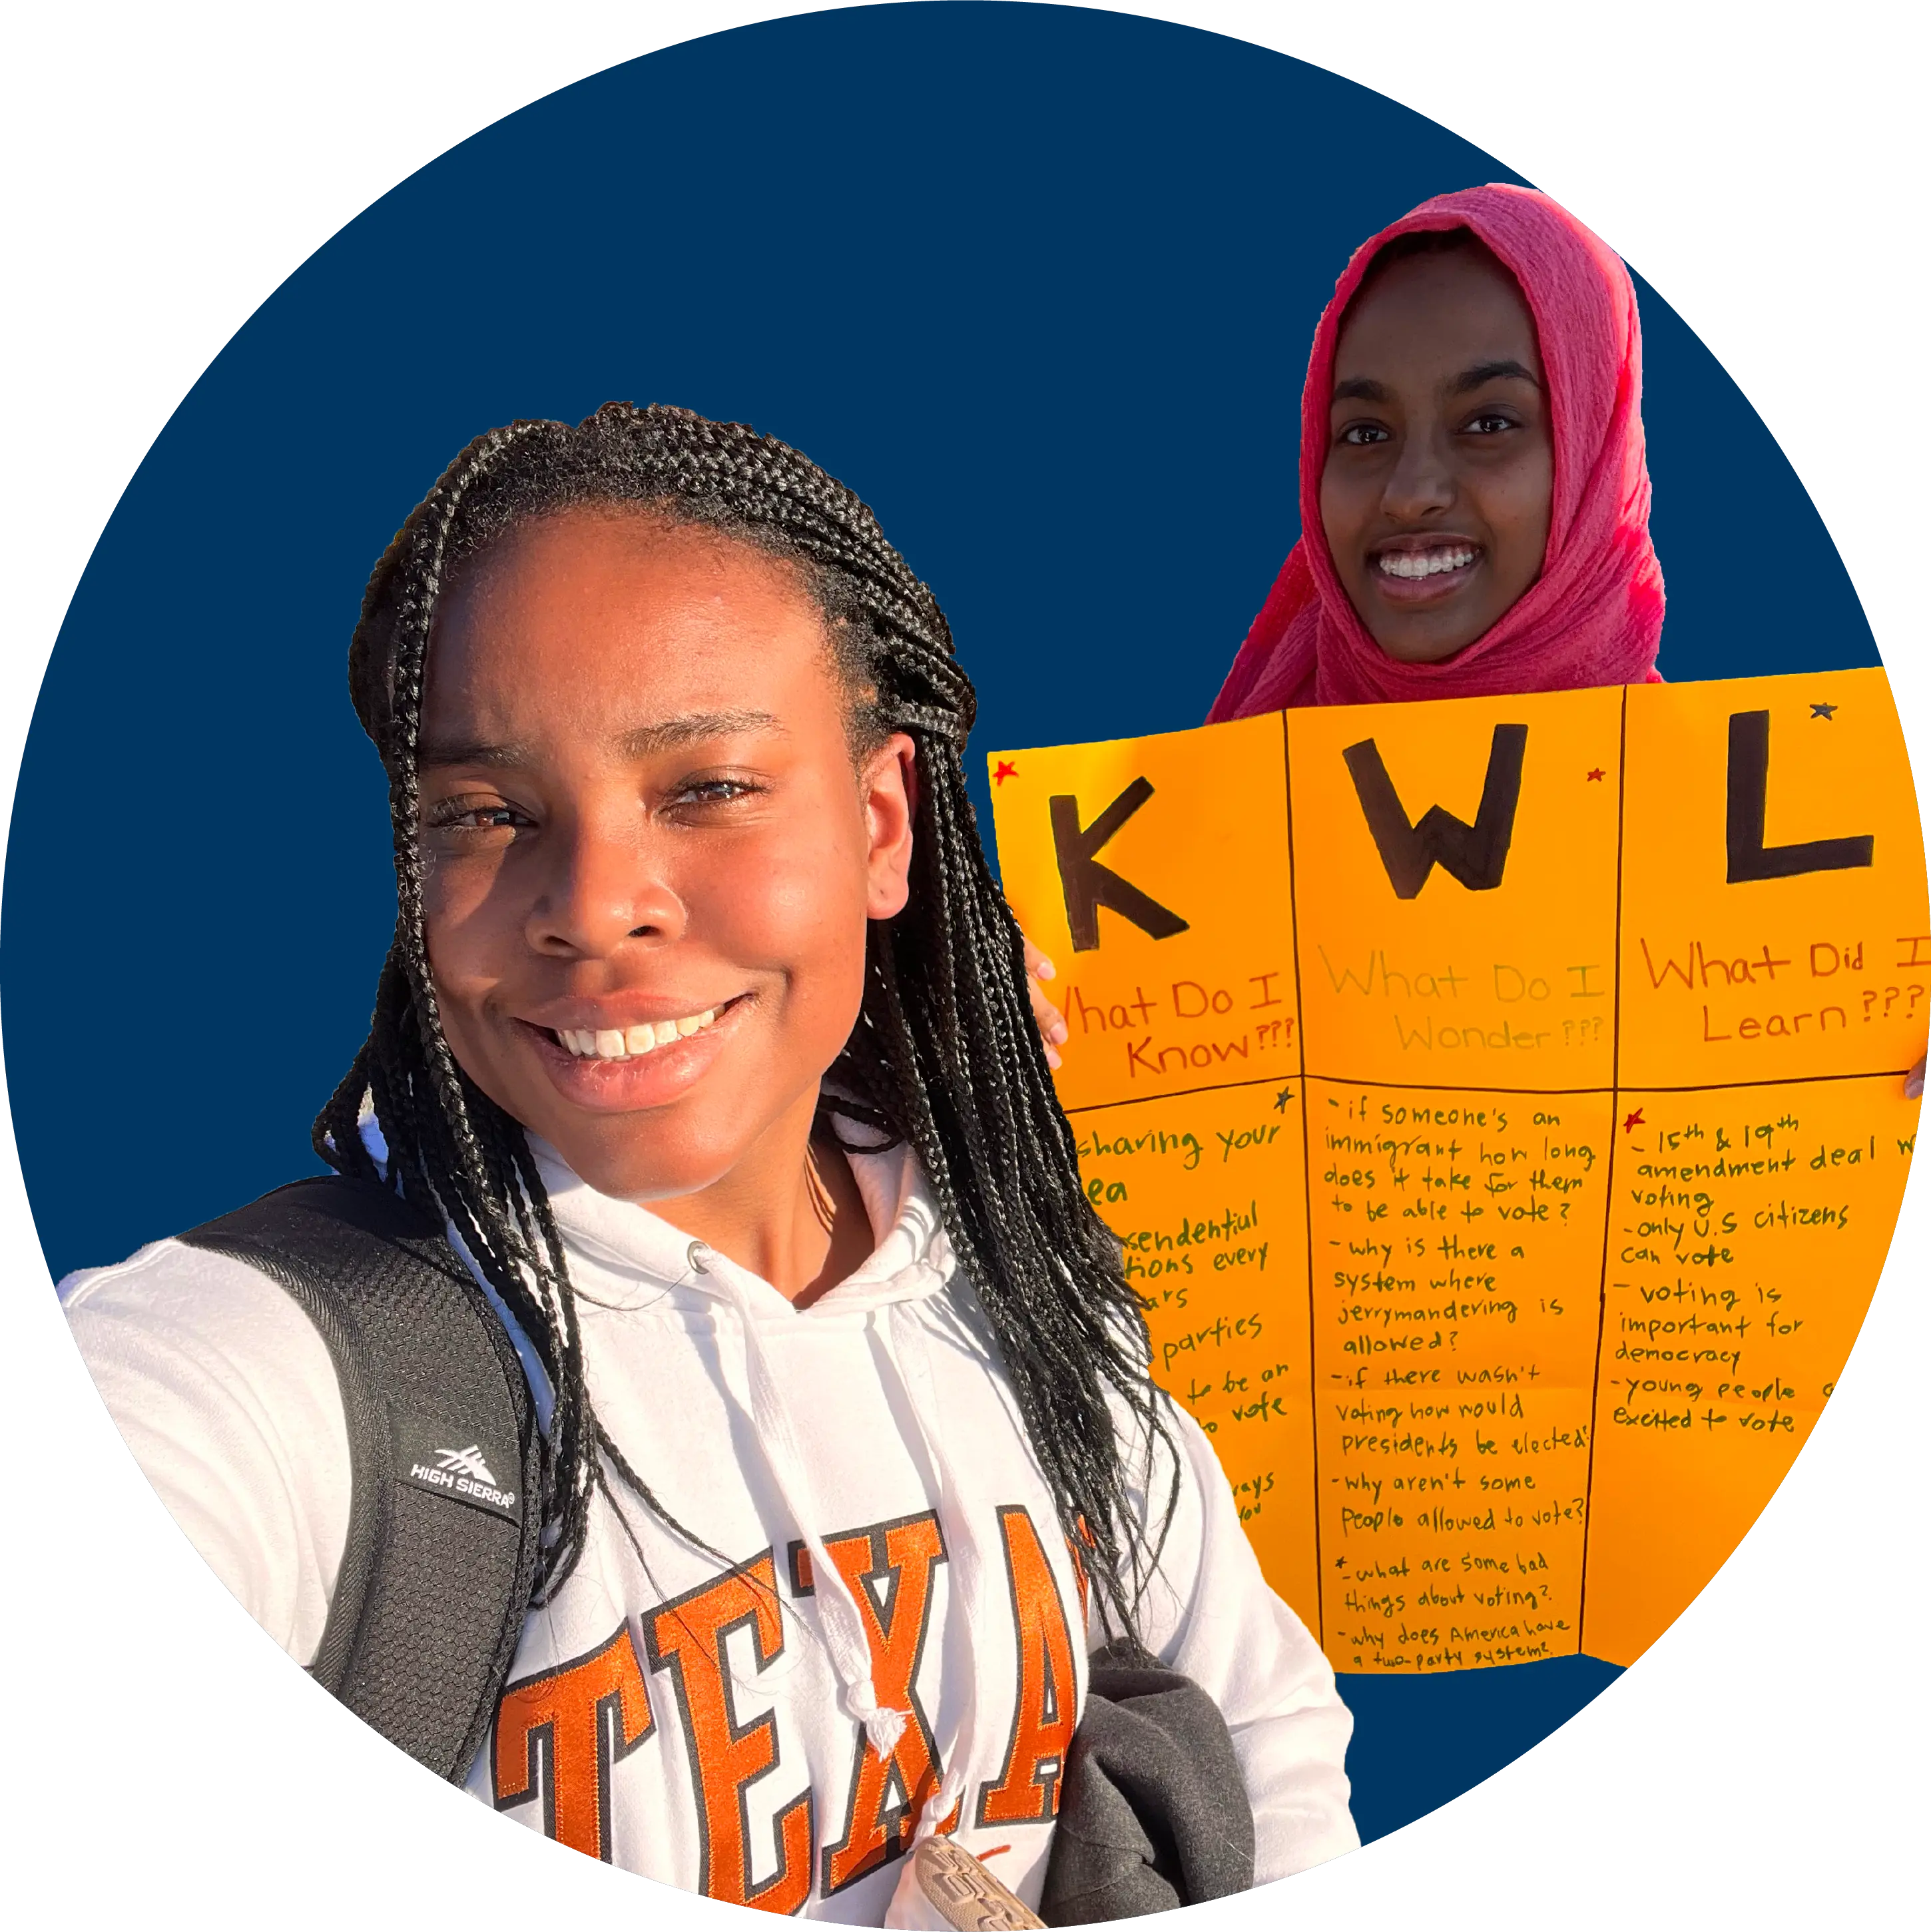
[{"x": 441, "y": 1550}]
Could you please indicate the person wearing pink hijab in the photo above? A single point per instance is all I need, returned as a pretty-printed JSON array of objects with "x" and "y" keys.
[
  {"x": 1474, "y": 498},
  {"x": 1415, "y": 371}
]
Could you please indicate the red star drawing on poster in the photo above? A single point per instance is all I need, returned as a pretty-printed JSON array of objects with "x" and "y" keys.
[
  {"x": 1596, "y": 776},
  {"x": 1006, "y": 770},
  {"x": 1635, "y": 1120}
]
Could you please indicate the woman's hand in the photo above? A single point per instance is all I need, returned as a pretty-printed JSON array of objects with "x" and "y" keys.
[
  {"x": 1046, "y": 1016},
  {"x": 1914, "y": 1081}
]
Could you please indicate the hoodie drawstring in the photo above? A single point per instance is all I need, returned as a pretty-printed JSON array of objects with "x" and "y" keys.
[
  {"x": 909, "y": 1347},
  {"x": 842, "y": 1622}
]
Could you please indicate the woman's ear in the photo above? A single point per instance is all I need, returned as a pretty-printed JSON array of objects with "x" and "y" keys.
[{"x": 888, "y": 788}]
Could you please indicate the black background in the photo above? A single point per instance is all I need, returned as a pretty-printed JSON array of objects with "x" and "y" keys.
[{"x": 173, "y": 176}]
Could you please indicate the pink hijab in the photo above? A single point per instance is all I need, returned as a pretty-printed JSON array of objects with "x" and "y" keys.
[{"x": 1594, "y": 615}]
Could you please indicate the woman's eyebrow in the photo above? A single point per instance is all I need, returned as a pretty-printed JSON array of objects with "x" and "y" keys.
[
  {"x": 1491, "y": 372},
  {"x": 463, "y": 752},
  {"x": 1361, "y": 388},
  {"x": 665, "y": 734}
]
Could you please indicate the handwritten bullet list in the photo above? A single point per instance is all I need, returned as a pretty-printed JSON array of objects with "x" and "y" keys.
[{"x": 1504, "y": 1165}]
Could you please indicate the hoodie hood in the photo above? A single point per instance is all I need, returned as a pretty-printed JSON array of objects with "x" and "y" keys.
[{"x": 911, "y": 1260}]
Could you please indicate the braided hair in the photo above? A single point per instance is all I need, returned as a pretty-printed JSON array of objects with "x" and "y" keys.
[{"x": 944, "y": 1054}]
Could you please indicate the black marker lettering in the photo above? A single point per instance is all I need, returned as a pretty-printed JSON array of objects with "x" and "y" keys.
[
  {"x": 1475, "y": 855},
  {"x": 1088, "y": 885},
  {"x": 1749, "y": 788}
]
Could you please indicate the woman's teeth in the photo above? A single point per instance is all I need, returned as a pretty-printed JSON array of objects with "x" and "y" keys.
[
  {"x": 631, "y": 1043},
  {"x": 1423, "y": 562}
]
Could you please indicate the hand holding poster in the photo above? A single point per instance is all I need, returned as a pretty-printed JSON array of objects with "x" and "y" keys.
[{"x": 1502, "y": 1104}]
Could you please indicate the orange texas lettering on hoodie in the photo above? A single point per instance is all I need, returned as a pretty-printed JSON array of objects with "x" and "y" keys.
[{"x": 894, "y": 1640}]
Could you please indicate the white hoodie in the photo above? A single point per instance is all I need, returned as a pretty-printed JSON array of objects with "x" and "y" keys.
[{"x": 901, "y": 1639}]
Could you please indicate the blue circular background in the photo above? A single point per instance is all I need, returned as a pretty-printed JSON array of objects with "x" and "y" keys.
[{"x": 1038, "y": 283}]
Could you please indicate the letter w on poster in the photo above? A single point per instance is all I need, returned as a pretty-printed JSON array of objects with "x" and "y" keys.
[{"x": 1500, "y": 1103}]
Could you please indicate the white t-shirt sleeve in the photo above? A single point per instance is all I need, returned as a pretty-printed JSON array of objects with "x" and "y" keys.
[
  {"x": 1211, "y": 1615},
  {"x": 227, "y": 1396}
]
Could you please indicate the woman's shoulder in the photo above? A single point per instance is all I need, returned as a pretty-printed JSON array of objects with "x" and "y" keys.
[
  {"x": 226, "y": 1395},
  {"x": 172, "y": 1288},
  {"x": 1183, "y": 1502},
  {"x": 228, "y": 1290},
  {"x": 1175, "y": 1462},
  {"x": 185, "y": 1340}
]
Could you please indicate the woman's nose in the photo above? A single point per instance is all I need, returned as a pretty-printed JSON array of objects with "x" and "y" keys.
[
  {"x": 1421, "y": 484},
  {"x": 605, "y": 889}
]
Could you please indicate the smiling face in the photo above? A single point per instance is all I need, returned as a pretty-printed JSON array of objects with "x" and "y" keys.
[
  {"x": 651, "y": 858},
  {"x": 1435, "y": 495}
]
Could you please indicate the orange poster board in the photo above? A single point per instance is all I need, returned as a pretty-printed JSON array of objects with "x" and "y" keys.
[{"x": 1500, "y": 1103}]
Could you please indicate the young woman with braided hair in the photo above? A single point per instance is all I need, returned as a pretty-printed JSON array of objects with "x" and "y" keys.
[{"x": 705, "y": 1037}]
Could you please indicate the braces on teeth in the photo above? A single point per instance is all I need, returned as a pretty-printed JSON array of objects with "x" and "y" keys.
[{"x": 631, "y": 1043}]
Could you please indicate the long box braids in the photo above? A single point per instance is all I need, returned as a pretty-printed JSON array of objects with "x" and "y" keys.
[{"x": 945, "y": 1054}]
